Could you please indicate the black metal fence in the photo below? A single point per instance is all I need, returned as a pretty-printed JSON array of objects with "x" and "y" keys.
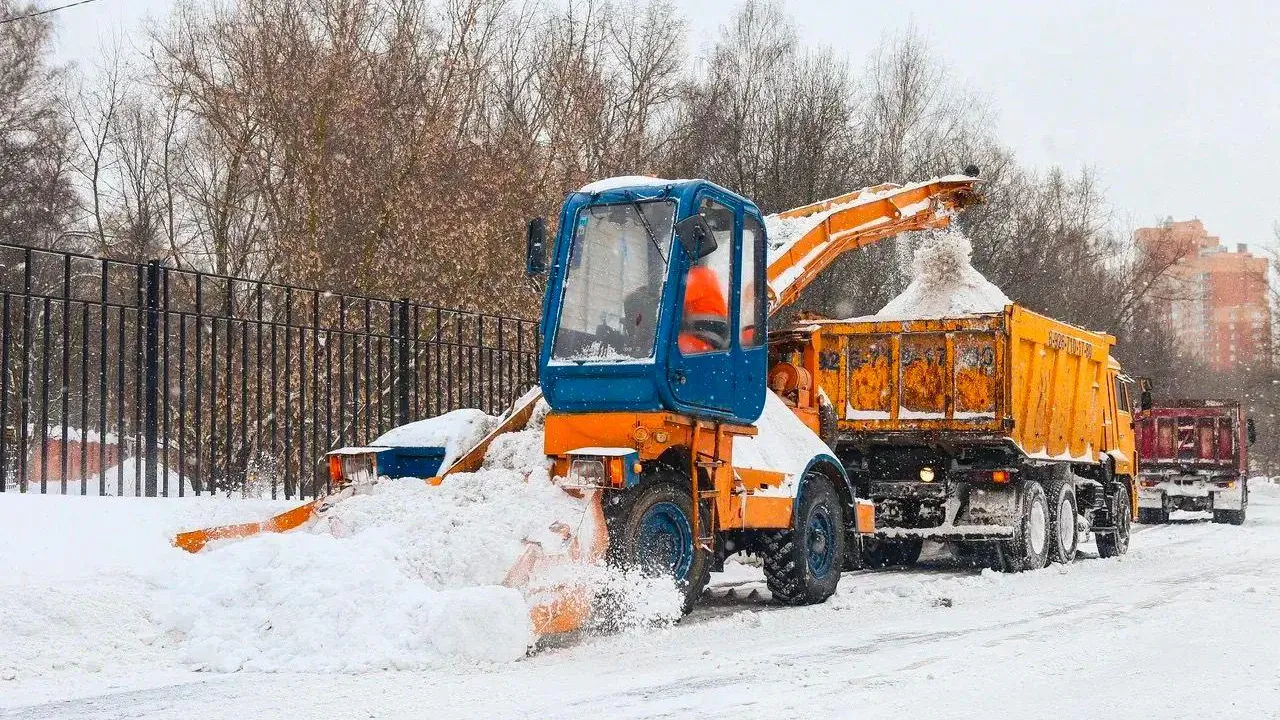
[{"x": 122, "y": 378}]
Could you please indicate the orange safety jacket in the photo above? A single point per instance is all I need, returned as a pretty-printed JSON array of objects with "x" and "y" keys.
[{"x": 705, "y": 326}]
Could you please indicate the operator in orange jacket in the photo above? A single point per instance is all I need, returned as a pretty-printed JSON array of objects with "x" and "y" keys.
[{"x": 705, "y": 327}]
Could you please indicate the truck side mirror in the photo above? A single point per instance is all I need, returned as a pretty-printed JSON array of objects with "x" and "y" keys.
[
  {"x": 1145, "y": 400},
  {"x": 696, "y": 237},
  {"x": 1251, "y": 431},
  {"x": 536, "y": 247}
]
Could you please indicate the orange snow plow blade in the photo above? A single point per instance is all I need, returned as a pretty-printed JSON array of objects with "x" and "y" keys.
[
  {"x": 195, "y": 540},
  {"x": 560, "y": 605}
]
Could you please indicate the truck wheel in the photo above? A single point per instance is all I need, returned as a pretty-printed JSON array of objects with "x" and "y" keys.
[
  {"x": 1114, "y": 543},
  {"x": 802, "y": 565},
  {"x": 1153, "y": 516},
  {"x": 1233, "y": 517},
  {"x": 652, "y": 532},
  {"x": 1063, "y": 538},
  {"x": 891, "y": 552},
  {"x": 1028, "y": 549}
]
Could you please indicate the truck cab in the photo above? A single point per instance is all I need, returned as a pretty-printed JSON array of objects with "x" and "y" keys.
[{"x": 656, "y": 300}]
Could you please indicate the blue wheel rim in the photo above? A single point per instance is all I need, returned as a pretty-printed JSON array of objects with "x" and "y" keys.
[
  {"x": 665, "y": 542},
  {"x": 819, "y": 543}
]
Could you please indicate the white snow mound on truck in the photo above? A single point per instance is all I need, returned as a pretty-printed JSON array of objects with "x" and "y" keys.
[{"x": 944, "y": 283}]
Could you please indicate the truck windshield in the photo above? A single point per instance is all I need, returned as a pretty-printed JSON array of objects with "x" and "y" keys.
[{"x": 617, "y": 265}]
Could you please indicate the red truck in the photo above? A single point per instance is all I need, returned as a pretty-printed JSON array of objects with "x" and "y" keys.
[{"x": 1194, "y": 457}]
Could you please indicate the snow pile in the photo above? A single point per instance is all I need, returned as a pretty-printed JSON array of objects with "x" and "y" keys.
[
  {"x": 944, "y": 282},
  {"x": 78, "y": 591},
  {"x": 627, "y": 181},
  {"x": 784, "y": 444},
  {"x": 456, "y": 432},
  {"x": 407, "y": 576}
]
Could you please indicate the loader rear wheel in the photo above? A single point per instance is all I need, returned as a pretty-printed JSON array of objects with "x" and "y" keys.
[
  {"x": 1153, "y": 516},
  {"x": 1114, "y": 543},
  {"x": 652, "y": 532},
  {"x": 802, "y": 565},
  {"x": 1028, "y": 549},
  {"x": 1063, "y": 538}
]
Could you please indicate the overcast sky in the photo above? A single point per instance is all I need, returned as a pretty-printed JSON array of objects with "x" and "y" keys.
[{"x": 1175, "y": 103}]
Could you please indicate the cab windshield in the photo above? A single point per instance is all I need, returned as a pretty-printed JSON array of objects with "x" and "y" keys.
[{"x": 613, "y": 289}]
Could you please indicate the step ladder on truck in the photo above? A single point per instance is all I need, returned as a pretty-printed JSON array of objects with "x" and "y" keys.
[{"x": 656, "y": 366}]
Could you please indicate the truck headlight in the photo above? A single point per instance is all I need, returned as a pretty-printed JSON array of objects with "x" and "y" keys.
[
  {"x": 588, "y": 471},
  {"x": 927, "y": 474},
  {"x": 352, "y": 468}
]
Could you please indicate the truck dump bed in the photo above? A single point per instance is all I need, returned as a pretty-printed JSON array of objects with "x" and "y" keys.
[
  {"x": 1014, "y": 376},
  {"x": 1193, "y": 433}
]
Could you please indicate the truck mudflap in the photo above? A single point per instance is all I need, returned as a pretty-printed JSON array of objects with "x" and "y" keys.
[{"x": 981, "y": 513}]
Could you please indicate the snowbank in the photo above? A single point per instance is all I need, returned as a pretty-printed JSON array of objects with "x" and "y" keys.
[
  {"x": 405, "y": 576},
  {"x": 81, "y": 576},
  {"x": 944, "y": 283}
]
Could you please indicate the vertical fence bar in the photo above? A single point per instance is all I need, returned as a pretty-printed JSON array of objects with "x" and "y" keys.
[
  {"x": 120, "y": 390},
  {"x": 342, "y": 375},
  {"x": 84, "y": 399},
  {"x": 138, "y": 380},
  {"x": 24, "y": 397},
  {"x": 44, "y": 394},
  {"x": 64, "y": 384},
  {"x": 4, "y": 395},
  {"x": 257, "y": 396},
  {"x": 103, "y": 328},
  {"x": 275, "y": 445},
  {"x": 164, "y": 382},
  {"x": 402, "y": 364},
  {"x": 288, "y": 387},
  {"x": 315, "y": 388},
  {"x": 150, "y": 376},
  {"x": 182, "y": 404},
  {"x": 204, "y": 484},
  {"x": 226, "y": 471}
]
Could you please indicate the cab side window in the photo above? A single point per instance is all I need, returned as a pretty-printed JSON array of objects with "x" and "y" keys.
[
  {"x": 751, "y": 322},
  {"x": 704, "y": 325}
]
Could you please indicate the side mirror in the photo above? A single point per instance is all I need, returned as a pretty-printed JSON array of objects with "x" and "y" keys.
[
  {"x": 696, "y": 237},
  {"x": 1251, "y": 431},
  {"x": 536, "y": 247},
  {"x": 1145, "y": 400}
]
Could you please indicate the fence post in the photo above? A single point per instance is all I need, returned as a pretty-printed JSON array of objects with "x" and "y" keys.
[
  {"x": 403, "y": 372},
  {"x": 150, "y": 374}
]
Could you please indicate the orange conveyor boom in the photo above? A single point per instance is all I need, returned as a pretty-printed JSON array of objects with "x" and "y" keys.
[{"x": 858, "y": 219}]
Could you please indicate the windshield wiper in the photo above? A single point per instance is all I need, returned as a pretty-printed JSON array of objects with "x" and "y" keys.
[{"x": 653, "y": 238}]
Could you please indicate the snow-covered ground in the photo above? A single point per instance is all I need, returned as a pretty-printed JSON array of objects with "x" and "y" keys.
[{"x": 1186, "y": 625}]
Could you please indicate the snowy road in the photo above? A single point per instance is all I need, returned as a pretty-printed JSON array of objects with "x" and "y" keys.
[{"x": 1186, "y": 625}]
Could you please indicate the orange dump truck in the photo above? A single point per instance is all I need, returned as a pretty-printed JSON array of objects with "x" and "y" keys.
[{"x": 1009, "y": 433}]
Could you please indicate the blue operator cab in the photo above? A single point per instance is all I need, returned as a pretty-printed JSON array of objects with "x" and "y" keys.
[{"x": 655, "y": 300}]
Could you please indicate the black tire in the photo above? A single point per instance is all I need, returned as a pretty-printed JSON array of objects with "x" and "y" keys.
[
  {"x": 1028, "y": 549},
  {"x": 1153, "y": 516},
  {"x": 650, "y": 530},
  {"x": 891, "y": 552},
  {"x": 1060, "y": 491},
  {"x": 1229, "y": 517},
  {"x": 802, "y": 565},
  {"x": 1114, "y": 543}
]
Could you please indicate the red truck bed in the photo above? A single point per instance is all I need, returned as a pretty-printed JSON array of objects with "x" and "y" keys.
[{"x": 1193, "y": 433}]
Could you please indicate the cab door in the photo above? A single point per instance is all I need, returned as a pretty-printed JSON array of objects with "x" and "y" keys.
[
  {"x": 1125, "y": 434},
  {"x": 701, "y": 365}
]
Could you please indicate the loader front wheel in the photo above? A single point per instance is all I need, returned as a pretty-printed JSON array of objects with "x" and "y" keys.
[
  {"x": 802, "y": 565},
  {"x": 652, "y": 533}
]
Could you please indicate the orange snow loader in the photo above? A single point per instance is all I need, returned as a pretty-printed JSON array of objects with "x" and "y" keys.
[
  {"x": 683, "y": 451},
  {"x": 1010, "y": 433}
]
